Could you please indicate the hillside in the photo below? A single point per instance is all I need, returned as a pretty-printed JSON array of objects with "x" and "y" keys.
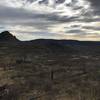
[
  {"x": 7, "y": 37},
  {"x": 47, "y": 69}
]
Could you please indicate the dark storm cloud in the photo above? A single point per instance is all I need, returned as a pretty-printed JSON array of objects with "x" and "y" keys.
[
  {"x": 22, "y": 16},
  {"x": 95, "y": 28},
  {"x": 9, "y": 13},
  {"x": 76, "y": 31},
  {"x": 60, "y": 1},
  {"x": 19, "y": 16},
  {"x": 43, "y": 2},
  {"x": 47, "y": 23},
  {"x": 63, "y": 19},
  {"x": 16, "y": 16},
  {"x": 75, "y": 26},
  {"x": 95, "y": 4},
  {"x": 31, "y": 1}
]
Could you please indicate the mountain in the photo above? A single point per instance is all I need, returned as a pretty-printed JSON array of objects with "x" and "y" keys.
[
  {"x": 47, "y": 69},
  {"x": 7, "y": 37}
]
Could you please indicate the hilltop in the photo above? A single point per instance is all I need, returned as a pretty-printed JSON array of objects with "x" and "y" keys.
[{"x": 6, "y": 36}]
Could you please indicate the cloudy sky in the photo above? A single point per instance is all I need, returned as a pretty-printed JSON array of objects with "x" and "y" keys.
[{"x": 54, "y": 19}]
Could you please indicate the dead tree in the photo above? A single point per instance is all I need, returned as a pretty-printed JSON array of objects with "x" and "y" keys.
[{"x": 52, "y": 75}]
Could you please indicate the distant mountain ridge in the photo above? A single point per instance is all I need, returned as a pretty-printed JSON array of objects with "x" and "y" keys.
[
  {"x": 6, "y": 36},
  {"x": 50, "y": 45}
]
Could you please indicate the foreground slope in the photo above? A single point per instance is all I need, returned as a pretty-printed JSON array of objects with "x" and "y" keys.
[{"x": 49, "y": 70}]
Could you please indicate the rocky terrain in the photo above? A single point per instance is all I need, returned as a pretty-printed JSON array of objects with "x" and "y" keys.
[{"x": 49, "y": 69}]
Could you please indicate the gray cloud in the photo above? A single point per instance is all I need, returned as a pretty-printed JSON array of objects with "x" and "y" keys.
[
  {"x": 10, "y": 13},
  {"x": 43, "y": 22},
  {"x": 95, "y": 5},
  {"x": 93, "y": 28},
  {"x": 19, "y": 16},
  {"x": 76, "y": 31},
  {"x": 16, "y": 16}
]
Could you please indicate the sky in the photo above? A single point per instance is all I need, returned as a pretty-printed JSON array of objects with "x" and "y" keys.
[{"x": 51, "y": 19}]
